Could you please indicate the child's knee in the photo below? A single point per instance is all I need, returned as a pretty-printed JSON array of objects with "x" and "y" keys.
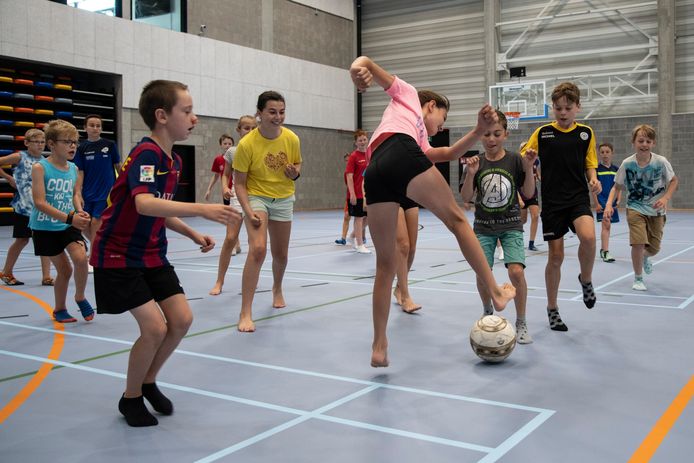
[
  {"x": 257, "y": 253},
  {"x": 181, "y": 323},
  {"x": 516, "y": 273}
]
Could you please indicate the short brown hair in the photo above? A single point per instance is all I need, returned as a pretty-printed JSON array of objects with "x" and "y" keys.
[
  {"x": 427, "y": 95},
  {"x": 648, "y": 132},
  {"x": 360, "y": 133},
  {"x": 608, "y": 144},
  {"x": 224, "y": 136},
  {"x": 158, "y": 94},
  {"x": 57, "y": 127},
  {"x": 568, "y": 90},
  {"x": 92, "y": 116},
  {"x": 502, "y": 119}
]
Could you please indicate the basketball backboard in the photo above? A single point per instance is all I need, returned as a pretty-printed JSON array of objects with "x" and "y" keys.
[{"x": 527, "y": 98}]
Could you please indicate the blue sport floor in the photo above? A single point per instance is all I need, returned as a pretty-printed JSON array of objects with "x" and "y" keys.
[{"x": 300, "y": 389}]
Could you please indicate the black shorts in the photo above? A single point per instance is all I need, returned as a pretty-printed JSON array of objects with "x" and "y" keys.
[
  {"x": 52, "y": 243},
  {"x": 118, "y": 290},
  {"x": 20, "y": 226},
  {"x": 530, "y": 202},
  {"x": 226, "y": 202},
  {"x": 556, "y": 222},
  {"x": 394, "y": 163},
  {"x": 407, "y": 203},
  {"x": 356, "y": 210}
]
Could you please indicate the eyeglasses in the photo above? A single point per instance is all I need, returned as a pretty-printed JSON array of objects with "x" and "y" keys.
[
  {"x": 69, "y": 142},
  {"x": 38, "y": 142}
]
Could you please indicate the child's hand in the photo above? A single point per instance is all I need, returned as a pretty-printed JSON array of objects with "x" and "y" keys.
[
  {"x": 361, "y": 76},
  {"x": 598, "y": 208},
  {"x": 486, "y": 118},
  {"x": 220, "y": 213},
  {"x": 595, "y": 186},
  {"x": 255, "y": 219},
  {"x": 81, "y": 220},
  {"x": 206, "y": 242},
  {"x": 473, "y": 165},
  {"x": 291, "y": 171},
  {"x": 529, "y": 160},
  {"x": 607, "y": 213},
  {"x": 661, "y": 203},
  {"x": 207, "y": 195}
]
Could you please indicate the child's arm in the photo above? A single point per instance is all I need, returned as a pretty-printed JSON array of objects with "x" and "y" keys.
[
  {"x": 240, "y": 179},
  {"x": 179, "y": 226},
  {"x": 227, "y": 193},
  {"x": 593, "y": 183},
  {"x": 10, "y": 159},
  {"x": 607, "y": 212},
  {"x": 38, "y": 193},
  {"x": 467, "y": 191},
  {"x": 350, "y": 187},
  {"x": 486, "y": 118},
  {"x": 364, "y": 71},
  {"x": 598, "y": 207},
  {"x": 77, "y": 198},
  {"x": 147, "y": 204},
  {"x": 213, "y": 180},
  {"x": 663, "y": 200},
  {"x": 528, "y": 162}
]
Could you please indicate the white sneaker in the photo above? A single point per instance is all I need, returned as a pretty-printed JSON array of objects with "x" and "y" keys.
[
  {"x": 522, "y": 335},
  {"x": 639, "y": 285},
  {"x": 501, "y": 254},
  {"x": 361, "y": 249}
]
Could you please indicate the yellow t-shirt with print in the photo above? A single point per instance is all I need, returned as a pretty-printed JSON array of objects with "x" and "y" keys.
[{"x": 264, "y": 160}]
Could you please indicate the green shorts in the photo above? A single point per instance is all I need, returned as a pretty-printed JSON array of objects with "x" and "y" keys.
[
  {"x": 511, "y": 243},
  {"x": 278, "y": 209}
]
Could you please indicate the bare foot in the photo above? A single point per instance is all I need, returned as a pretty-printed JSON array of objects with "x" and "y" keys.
[
  {"x": 396, "y": 294},
  {"x": 379, "y": 356},
  {"x": 410, "y": 306},
  {"x": 246, "y": 325},
  {"x": 278, "y": 300},
  {"x": 217, "y": 290},
  {"x": 501, "y": 295}
]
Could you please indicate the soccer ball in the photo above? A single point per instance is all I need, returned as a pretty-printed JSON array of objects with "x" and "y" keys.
[{"x": 492, "y": 338}]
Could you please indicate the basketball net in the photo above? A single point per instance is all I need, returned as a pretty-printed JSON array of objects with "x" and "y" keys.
[{"x": 512, "y": 119}]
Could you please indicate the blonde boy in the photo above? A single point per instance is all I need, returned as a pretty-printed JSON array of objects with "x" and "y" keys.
[{"x": 650, "y": 183}]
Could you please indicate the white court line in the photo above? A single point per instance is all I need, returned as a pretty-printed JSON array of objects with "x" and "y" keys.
[
  {"x": 687, "y": 302},
  {"x": 580, "y": 294},
  {"x": 543, "y": 414}
]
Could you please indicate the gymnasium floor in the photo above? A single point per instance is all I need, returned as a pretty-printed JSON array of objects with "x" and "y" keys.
[{"x": 300, "y": 389}]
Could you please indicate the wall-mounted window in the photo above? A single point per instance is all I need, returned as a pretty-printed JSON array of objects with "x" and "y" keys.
[
  {"x": 107, "y": 7},
  {"x": 169, "y": 14}
]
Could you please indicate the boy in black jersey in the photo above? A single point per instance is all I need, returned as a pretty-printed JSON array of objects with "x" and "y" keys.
[{"x": 568, "y": 158}]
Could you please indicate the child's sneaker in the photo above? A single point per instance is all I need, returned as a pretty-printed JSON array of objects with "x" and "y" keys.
[
  {"x": 606, "y": 256},
  {"x": 341, "y": 242},
  {"x": 361, "y": 249},
  {"x": 639, "y": 285},
  {"x": 10, "y": 280},
  {"x": 647, "y": 265},
  {"x": 63, "y": 316},
  {"x": 86, "y": 310},
  {"x": 555, "y": 321},
  {"x": 532, "y": 247},
  {"x": 522, "y": 335}
]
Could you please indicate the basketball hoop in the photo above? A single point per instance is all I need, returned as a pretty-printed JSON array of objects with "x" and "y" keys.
[{"x": 512, "y": 119}]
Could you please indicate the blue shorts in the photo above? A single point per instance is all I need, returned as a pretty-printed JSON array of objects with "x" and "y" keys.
[
  {"x": 95, "y": 208},
  {"x": 511, "y": 243}
]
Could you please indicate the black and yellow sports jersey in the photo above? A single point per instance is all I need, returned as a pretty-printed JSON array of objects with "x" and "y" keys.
[{"x": 564, "y": 155}]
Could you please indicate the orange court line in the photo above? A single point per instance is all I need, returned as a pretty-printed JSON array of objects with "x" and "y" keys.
[
  {"x": 42, "y": 373},
  {"x": 662, "y": 427}
]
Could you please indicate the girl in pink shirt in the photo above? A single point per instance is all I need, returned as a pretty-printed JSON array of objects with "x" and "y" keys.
[{"x": 401, "y": 167}]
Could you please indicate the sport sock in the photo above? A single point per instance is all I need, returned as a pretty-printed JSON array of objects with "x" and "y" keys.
[
  {"x": 589, "y": 298},
  {"x": 135, "y": 412},
  {"x": 158, "y": 400},
  {"x": 555, "y": 321},
  {"x": 488, "y": 310}
]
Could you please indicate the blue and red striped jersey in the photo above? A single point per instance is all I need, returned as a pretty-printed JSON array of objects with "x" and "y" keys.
[{"x": 127, "y": 238}]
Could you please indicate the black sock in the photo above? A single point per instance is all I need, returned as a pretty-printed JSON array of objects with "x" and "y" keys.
[
  {"x": 135, "y": 412},
  {"x": 158, "y": 400},
  {"x": 531, "y": 243}
]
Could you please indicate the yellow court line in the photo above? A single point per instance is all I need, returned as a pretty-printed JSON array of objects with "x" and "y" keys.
[
  {"x": 651, "y": 443},
  {"x": 42, "y": 373}
]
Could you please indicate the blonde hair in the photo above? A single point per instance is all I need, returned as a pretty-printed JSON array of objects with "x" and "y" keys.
[
  {"x": 647, "y": 130},
  {"x": 246, "y": 117},
  {"x": 33, "y": 133},
  {"x": 56, "y": 128}
]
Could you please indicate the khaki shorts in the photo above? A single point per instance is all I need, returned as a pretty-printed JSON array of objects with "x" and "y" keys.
[
  {"x": 279, "y": 209},
  {"x": 645, "y": 229}
]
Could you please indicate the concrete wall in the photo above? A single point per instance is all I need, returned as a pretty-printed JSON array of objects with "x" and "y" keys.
[{"x": 618, "y": 132}]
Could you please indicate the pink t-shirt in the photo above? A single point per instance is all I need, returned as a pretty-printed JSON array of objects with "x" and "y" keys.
[{"x": 403, "y": 115}]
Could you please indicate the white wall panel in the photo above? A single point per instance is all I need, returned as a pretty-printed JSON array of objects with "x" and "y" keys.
[{"x": 140, "y": 52}]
